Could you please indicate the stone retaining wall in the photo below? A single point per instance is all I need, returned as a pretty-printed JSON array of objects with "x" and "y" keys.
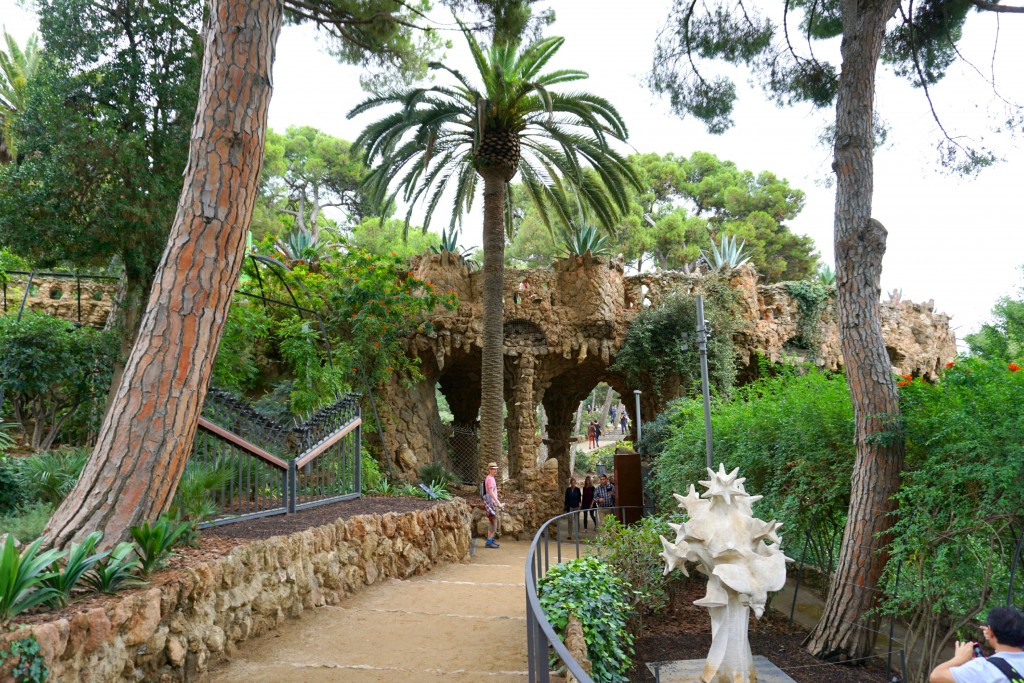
[{"x": 175, "y": 631}]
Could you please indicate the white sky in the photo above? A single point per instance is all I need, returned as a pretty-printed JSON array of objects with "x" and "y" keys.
[{"x": 951, "y": 239}]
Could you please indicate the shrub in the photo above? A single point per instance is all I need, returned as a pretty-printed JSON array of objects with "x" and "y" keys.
[
  {"x": 55, "y": 375},
  {"x": 194, "y": 499},
  {"x": 11, "y": 493},
  {"x": 49, "y": 476},
  {"x": 633, "y": 553},
  {"x": 589, "y": 589},
  {"x": 962, "y": 496},
  {"x": 27, "y": 523},
  {"x": 791, "y": 436},
  {"x": 370, "y": 471},
  {"x": 437, "y": 475}
]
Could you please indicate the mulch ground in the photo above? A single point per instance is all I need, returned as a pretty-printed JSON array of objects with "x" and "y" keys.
[{"x": 684, "y": 632}]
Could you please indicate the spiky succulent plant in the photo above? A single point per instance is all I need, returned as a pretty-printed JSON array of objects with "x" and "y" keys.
[{"x": 728, "y": 255}]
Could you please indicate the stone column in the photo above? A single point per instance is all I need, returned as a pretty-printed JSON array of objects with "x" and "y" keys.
[
  {"x": 561, "y": 411},
  {"x": 521, "y": 422}
]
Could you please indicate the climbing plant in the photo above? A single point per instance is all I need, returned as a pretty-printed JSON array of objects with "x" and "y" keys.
[
  {"x": 811, "y": 297},
  {"x": 653, "y": 355}
]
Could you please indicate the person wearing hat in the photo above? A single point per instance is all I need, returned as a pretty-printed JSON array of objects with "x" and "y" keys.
[
  {"x": 1004, "y": 631},
  {"x": 492, "y": 503}
]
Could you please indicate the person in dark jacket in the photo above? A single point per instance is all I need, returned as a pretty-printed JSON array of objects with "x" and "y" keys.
[
  {"x": 588, "y": 502},
  {"x": 573, "y": 498}
]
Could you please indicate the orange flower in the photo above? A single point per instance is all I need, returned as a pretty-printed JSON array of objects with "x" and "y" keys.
[
  {"x": 950, "y": 364},
  {"x": 353, "y": 315},
  {"x": 1013, "y": 367},
  {"x": 909, "y": 378},
  {"x": 902, "y": 383},
  {"x": 375, "y": 344}
]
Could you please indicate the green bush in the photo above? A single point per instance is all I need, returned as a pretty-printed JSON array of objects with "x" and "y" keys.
[
  {"x": 791, "y": 436},
  {"x": 370, "y": 471},
  {"x": 11, "y": 493},
  {"x": 633, "y": 552},
  {"x": 115, "y": 571},
  {"x": 27, "y": 523},
  {"x": 961, "y": 503},
  {"x": 49, "y": 476},
  {"x": 56, "y": 376},
  {"x": 436, "y": 474},
  {"x": 66, "y": 573},
  {"x": 652, "y": 354},
  {"x": 589, "y": 589}
]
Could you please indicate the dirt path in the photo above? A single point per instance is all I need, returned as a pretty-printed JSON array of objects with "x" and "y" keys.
[{"x": 458, "y": 623}]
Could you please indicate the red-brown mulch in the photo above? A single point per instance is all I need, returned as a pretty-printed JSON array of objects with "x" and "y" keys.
[
  {"x": 684, "y": 632},
  {"x": 218, "y": 541}
]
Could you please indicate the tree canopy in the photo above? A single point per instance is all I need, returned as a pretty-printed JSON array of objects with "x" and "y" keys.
[
  {"x": 1002, "y": 339},
  {"x": 306, "y": 171},
  {"x": 691, "y": 202}
]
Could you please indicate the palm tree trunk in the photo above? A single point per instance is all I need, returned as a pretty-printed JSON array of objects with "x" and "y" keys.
[
  {"x": 492, "y": 388},
  {"x": 860, "y": 245},
  {"x": 148, "y": 431}
]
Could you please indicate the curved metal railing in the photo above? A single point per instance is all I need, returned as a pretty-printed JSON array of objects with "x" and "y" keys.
[{"x": 539, "y": 632}]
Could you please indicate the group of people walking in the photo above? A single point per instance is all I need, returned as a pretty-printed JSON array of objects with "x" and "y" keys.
[
  {"x": 593, "y": 501},
  {"x": 594, "y": 430}
]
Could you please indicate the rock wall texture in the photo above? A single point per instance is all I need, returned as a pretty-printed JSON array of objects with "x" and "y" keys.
[
  {"x": 175, "y": 631},
  {"x": 563, "y": 327},
  {"x": 84, "y": 301}
]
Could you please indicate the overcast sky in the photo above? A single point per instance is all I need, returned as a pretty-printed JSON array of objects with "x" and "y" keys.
[{"x": 955, "y": 240}]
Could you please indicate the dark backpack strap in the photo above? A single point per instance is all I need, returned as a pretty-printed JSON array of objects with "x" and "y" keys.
[{"x": 1008, "y": 671}]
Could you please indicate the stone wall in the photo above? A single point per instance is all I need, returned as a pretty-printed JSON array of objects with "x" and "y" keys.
[
  {"x": 86, "y": 300},
  {"x": 563, "y": 328},
  {"x": 174, "y": 632}
]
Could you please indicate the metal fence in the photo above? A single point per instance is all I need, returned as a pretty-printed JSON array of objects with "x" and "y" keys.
[
  {"x": 547, "y": 549},
  {"x": 263, "y": 467}
]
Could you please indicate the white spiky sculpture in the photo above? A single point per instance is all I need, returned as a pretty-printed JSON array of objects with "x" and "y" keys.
[{"x": 729, "y": 545}]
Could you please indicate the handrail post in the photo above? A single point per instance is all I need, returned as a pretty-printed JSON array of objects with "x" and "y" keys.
[{"x": 291, "y": 485}]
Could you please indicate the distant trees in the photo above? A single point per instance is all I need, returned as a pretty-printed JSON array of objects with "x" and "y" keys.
[
  {"x": 1002, "y": 339},
  {"x": 691, "y": 202},
  {"x": 17, "y": 68}
]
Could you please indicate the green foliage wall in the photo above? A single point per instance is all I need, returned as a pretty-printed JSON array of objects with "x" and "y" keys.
[
  {"x": 651, "y": 355},
  {"x": 55, "y": 377},
  {"x": 791, "y": 435}
]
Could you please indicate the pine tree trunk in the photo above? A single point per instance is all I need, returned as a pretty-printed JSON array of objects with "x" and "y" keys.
[
  {"x": 492, "y": 389},
  {"x": 860, "y": 245},
  {"x": 147, "y": 434},
  {"x": 606, "y": 408}
]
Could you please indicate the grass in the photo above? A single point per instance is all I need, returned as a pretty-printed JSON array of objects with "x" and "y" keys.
[{"x": 28, "y": 522}]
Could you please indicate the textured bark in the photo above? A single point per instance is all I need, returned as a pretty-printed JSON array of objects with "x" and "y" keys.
[
  {"x": 148, "y": 431},
  {"x": 492, "y": 369},
  {"x": 860, "y": 245}
]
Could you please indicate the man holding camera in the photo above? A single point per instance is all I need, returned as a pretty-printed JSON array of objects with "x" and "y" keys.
[{"x": 1004, "y": 631}]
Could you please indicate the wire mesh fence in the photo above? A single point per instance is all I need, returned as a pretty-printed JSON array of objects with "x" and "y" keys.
[{"x": 459, "y": 449}]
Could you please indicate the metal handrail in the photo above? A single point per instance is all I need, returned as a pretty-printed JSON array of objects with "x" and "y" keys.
[{"x": 539, "y": 632}]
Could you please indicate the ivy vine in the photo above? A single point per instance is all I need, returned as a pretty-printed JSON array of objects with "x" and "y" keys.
[
  {"x": 811, "y": 298},
  {"x": 29, "y": 663}
]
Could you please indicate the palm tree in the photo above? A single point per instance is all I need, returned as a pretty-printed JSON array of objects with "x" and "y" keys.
[
  {"x": 444, "y": 137},
  {"x": 17, "y": 67}
]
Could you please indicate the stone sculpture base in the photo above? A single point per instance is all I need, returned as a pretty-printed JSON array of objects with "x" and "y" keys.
[{"x": 690, "y": 670}]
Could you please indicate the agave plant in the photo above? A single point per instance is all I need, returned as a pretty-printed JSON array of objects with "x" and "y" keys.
[
  {"x": 450, "y": 244},
  {"x": 583, "y": 238},
  {"x": 728, "y": 255},
  {"x": 827, "y": 276}
]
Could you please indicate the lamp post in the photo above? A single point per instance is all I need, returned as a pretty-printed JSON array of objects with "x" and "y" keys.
[
  {"x": 636, "y": 393},
  {"x": 703, "y": 333}
]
